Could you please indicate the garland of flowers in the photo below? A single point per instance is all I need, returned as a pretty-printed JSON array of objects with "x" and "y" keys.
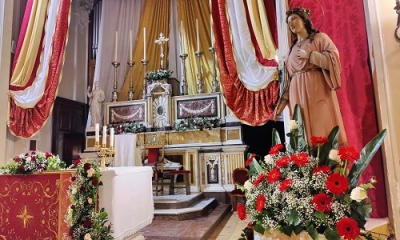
[
  {"x": 158, "y": 75},
  {"x": 200, "y": 123},
  {"x": 84, "y": 221},
  {"x": 35, "y": 161},
  {"x": 133, "y": 127},
  {"x": 300, "y": 190}
]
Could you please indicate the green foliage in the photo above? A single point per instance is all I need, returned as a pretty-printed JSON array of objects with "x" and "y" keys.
[
  {"x": 132, "y": 127},
  {"x": 158, "y": 75},
  {"x": 200, "y": 123}
]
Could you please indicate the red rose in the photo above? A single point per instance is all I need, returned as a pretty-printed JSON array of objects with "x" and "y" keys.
[
  {"x": 76, "y": 162},
  {"x": 87, "y": 223},
  {"x": 82, "y": 189},
  {"x": 87, "y": 166},
  {"x": 318, "y": 140},
  {"x": 72, "y": 206},
  {"x": 322, "y": 202},
  {"x": 33, "y": 152},
  {"x": 275, "y": 149},
  {"x": 287, "y": 183},
  {"x": 283, "y": 162},
  {"x": 348, "y": 228},
  {"x": 274, "y": 175},
  {"x": 300, "y": 159},
  {"x": 348, "y": 153},
  {"x": 73, "y": 178},
  {"x": 322, "y": 169},
  {"x": 95, "y": 181},
  {"x": 337, "y": 184},
  {"x": 48, "y": 155},
  {"x": 250, "y": 159},
  {"x": 241, "y": 211},
  {"x": 71, "y": 231},
  {"x": 17, "y": 159},
  {"x": 21, "y": 168},
  {"x": 260, "y": 203},
  {"x": 33, "y": 159}
]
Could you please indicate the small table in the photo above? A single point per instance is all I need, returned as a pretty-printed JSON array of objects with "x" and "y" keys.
[{"x": 186, "y": 180}]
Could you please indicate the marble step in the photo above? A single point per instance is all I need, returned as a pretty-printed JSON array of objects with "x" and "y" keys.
[
  {"x": 199, "y": 209},
  {"x": 177, "y": 201}
]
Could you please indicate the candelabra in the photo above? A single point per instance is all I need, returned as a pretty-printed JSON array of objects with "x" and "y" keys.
[
  {"x": 144, "y": 62},
  {"x": 184, "y": 85},
  {"x": 199, "y": 74},
  {"x": 130, "y": 93},
  {"x": 105, "y": 153},
  {"x": 115, "y": 93},
  {"x": 215, "y": 84}
]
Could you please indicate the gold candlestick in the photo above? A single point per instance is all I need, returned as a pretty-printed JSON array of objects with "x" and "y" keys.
[
  {"x": 105, "y": 154},
  {"x": 115, "y": 93},
  {"x": 215, "y": 83},
  {"x": 184, "y": 85},
  {"x": 144, "y": 62},
  {"x": 130, "y": 93},
  {"x": 199, "y": 74}
]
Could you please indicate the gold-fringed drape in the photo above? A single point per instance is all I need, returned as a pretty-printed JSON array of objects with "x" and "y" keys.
[
  {"x": 188, "y": 12},
  {"x": 155, "y": 18}
]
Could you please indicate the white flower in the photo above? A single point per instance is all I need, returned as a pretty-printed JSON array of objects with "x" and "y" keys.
[
  {"x": 268, "y": 159},
  {"x": 358, "y": 194},
  {"x": 293, "y": 125},
  {"x": 90, "y": 172},
  {"x": 28, "y": 159},
  {"x": 90, "y": 200},
  {"x": 248, "y": 185},
  {"x": 87, "y": 236},
  {"x": 333, "y": 154},
  {"x": 73, "y": 191}
]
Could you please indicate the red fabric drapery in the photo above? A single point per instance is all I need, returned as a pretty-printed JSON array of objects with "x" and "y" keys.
[
  {"x": 251, "y": 107},
  {"x": 25, "y": 122}
]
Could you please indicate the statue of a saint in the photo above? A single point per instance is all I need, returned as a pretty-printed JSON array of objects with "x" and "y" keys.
[{"x": 96, "y": 104}]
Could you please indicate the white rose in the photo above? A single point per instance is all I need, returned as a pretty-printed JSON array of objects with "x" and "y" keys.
[
  {"x": 28, "y": 159},
  {"x": 268, "y": 159},
  {"x": 90, "y": 172},
  {"x": 90, "y": 200},
  {"x": 293, "y": 125},
  {"x": 333, "y": 154},
  {"x": 248, "y": 185},
  {"x": 358, "y": 194},
  {"x": 73, "y": 191},
  {"x": 88, "y": 237}
]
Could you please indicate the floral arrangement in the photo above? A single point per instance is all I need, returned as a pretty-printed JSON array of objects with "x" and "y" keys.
[
  {"x": 197, "y": 123},
  {"x": 85, "y": 222},
  {"x": 158, "y": 75},
  {"x": 35, "y": 161},
  {"x": 132, "y": 127},
  {"x": 313, "y": 190}
]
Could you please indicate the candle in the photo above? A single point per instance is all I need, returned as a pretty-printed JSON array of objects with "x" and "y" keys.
[
  {"x": 144, "y": 43},
  {"x": 116, "y": 47},
  {"x": 104, "y": 137},
  {"x": 197, "y": 35},
  {"x": 130, "y": 45},
  {"x": 212, "y": 33},
  {"x": 96, "y": 130},
  {"x": 111, "y": 137}
]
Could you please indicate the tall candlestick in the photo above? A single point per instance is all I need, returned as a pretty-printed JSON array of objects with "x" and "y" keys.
[
  {"x": 144, "y": 43},
  {"x": 197, "y": 35},
  {"x": 130, "y": 45},
  {"x": 104, "y": 137},
  {"x": 111, "y": 137},
  {"x": 97, "y": 133},
  {"x": 116, "y": 47}
]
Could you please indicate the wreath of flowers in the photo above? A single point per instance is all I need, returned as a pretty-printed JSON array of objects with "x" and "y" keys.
[
  {"x": 158, "y": 75},
  {"x": 310, "y": 190},
  {"x": 132, "y": 127},
  {"x": 35, "y": 161},
  {"x": 200, "y": 123},
  {"x": 85, "y": 221}
]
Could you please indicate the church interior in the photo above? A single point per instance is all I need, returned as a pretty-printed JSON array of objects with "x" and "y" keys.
[{"x": 179, "y": 93}]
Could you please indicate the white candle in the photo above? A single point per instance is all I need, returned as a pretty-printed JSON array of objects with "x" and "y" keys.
[
  {"x": 197, "y": 35},
  {"x": 97, "y": 133},
  {"x": 212, "y": 33},
  {"x": 130, "y": 45},
  {"x": 116, "y": 47},
  {"x": 144, "y": 43},
  {"x": 182, "y": 43},
  {"x": 111, "y": 137},
  {"x": 104, "y": 137}
]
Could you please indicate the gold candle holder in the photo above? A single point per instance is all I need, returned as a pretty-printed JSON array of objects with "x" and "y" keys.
[
  {"x": 130, "y": 93},
  {"x": 144, "y": 62},
  {"x": 199, "y": 73},
  {"x": 115, "y": 93},
  {"x": 184, "y": 85},
  {"x": 215, "y": 83},
  {"x": 105, "y": 154}
]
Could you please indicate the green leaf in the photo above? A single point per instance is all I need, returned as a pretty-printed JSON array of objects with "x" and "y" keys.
[
  {"x": 298, "y": 142},
  {"x": 331, "y": 234},
  {"x": 258, "y": 228},
  {"x": 298, "y": 229},
  {"x": 287, "y": 230},
  {"x": 365, "y": 158},
  {"x": 293, "y": 218},
  {"x": 312, "y": 231},
  {"x": 275, "y": 137},
  {"x": 326, "y": 148},
  {"x": 320, "y": 215},
  {"x": 255, "y": 167}
]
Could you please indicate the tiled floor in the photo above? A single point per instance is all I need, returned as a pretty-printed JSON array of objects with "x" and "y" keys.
[{"x": 229, "y": 229}]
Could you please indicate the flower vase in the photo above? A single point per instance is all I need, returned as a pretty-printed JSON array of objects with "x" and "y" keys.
[{"x": 277, "y": 235}]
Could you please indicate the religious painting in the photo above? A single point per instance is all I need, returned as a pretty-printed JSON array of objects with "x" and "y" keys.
[
  {"x": 212, "y": 171},
  {"x": 125, "y": 112}
]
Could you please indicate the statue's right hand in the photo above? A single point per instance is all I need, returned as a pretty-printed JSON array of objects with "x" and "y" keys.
[{"x": 88, "y": 88}]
